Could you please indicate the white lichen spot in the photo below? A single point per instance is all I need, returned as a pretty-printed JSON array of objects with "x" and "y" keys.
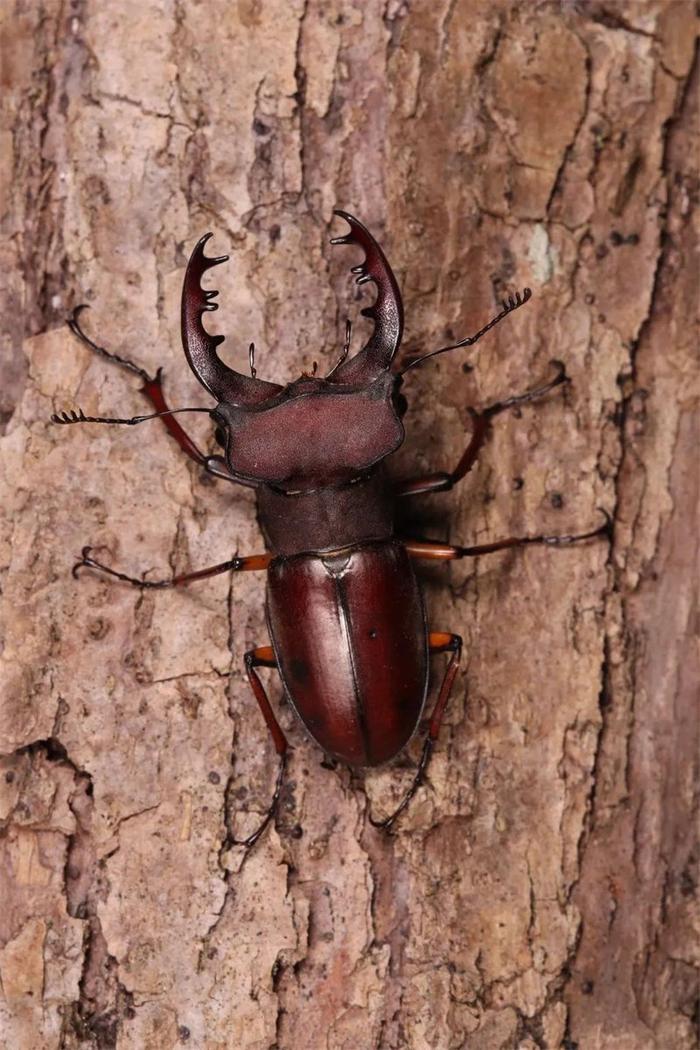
[{"x": 542, "y": 254}]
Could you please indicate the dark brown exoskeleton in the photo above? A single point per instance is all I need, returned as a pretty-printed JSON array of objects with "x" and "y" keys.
[{"x": 344, "y": 609}]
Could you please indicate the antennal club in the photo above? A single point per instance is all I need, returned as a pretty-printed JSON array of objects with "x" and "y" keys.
[
  {"x": 513, "y": 302},
  {"x": 64, "y": 418}
]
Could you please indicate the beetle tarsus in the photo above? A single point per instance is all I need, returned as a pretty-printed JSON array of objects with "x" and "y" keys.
[
  {"x": 388, "y": 823},
  {"x": 450, "y": 552},
  {"x": 529, "y": 395},
  {"x": 90, "y": 563},
  {"x": 250, "y": 841},
  {"x": 236, "y": 564},
  {"x": 74, "y": 325},
  {"x": 602, "y": 530},
  {"x": 84, "y": 554}
]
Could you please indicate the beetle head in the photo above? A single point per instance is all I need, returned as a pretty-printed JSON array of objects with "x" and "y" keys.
[{"x": 313, "y": 431}]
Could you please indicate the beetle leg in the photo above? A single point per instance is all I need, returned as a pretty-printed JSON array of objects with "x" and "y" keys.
[
  {"x": 153, "y": 389},
  {"x": 264, "y": 656},
  {"x": 251, "y": 561},
  {"x": 443, "y": 481},
  {"x": 448, "y": 552},
  {"x": 438, "y": 642}
]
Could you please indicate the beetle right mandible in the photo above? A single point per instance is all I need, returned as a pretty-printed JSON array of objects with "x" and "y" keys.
[{"x": 344, "y": 610}]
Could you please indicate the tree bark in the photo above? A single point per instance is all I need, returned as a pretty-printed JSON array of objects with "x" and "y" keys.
[{"x": 539, "y": 892}]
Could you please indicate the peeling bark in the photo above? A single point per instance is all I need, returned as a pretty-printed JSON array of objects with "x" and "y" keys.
[{"x": 540, "y": 891}]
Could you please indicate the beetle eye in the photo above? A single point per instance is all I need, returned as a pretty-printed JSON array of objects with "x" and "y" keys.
[{"x": 220, "y": 437}]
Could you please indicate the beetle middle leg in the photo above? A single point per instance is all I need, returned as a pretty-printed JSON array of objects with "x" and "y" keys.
[
  {"x": 443, "y": 481},
  {"x": 449, "y": 552},
  {"x": 438, "y": 642},
  {"x": 244, "y": 564},
  {"x": 263, "y": 656}
]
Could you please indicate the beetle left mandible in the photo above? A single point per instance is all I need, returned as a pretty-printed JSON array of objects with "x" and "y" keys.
[{"x": 346, "y": 618}]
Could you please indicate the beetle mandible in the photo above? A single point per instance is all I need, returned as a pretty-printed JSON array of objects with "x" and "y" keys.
[{"x": 344, "y": 609}]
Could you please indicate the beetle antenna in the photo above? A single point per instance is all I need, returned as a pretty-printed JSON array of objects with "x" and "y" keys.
[
  {"x": 346, "y": 348},
  {"x": 80, "y": 417},
  {"x": 513, "y": 302},
  {"x": 251, "y": 360}
]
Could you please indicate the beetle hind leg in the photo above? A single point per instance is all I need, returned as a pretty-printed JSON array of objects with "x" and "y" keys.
[
  {"x": 438, "y": 642},
  {"x": 264, "y": 656}
]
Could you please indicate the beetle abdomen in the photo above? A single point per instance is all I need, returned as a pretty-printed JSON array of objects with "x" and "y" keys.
[{"x": 357, "y": 672}]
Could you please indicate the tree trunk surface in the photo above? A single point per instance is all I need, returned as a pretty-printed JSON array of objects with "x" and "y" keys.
[{"x": 539, "y": 891}]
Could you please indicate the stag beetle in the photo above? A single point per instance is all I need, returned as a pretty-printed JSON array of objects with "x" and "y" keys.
[{"x": 344, "y": 609}]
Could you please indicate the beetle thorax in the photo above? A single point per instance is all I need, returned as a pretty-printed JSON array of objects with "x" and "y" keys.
[{"x": 313, "y": 432}]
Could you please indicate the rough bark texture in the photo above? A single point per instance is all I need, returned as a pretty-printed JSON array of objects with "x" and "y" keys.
[{"x": 539, "y": 892}]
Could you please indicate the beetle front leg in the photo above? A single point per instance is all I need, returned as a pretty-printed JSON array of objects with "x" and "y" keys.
[
  {"x": 264, "y": 656},
  {"x": 153, "y": 389},
  {"x": 443, "y": 481},
  {"x": 245, "y": 564},
  {"x": 438, "y": 642}
]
